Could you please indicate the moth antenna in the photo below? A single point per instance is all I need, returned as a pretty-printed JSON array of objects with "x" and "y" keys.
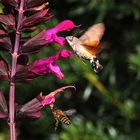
[
  {"x": 77, "y": 26},
  {"x": 77, "y": 32}
]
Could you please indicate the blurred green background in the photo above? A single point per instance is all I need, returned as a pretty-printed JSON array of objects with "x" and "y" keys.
[{"x": 107, "y": 103}]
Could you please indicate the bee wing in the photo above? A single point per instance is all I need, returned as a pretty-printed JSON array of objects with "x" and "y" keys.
[
  {"x": 93, "y": 35},
  {"x": 70, "y": 112}
]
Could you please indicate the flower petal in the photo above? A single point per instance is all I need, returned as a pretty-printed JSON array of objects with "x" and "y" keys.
[
  {"x": 64, "y": 25},
  {"x": 59, "y": 40},
  {"x": 65, "y": 53},
  {"x": 51, "y": 36},
  {"x": 47, "y": 65},
  {"x": 56, "y": 70},
  {"x": 48, "y": 100}
]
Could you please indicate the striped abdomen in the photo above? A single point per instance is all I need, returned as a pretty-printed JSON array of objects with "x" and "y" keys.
[{"x": 64, "y": 119}]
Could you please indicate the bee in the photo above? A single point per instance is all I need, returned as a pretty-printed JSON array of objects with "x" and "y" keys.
[
  {"x": 62, "y": 116},
  {"x": 87, "y": 46}
]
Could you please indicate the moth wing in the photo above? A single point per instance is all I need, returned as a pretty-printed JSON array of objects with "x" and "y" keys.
[
  {"x": 93, "y": 35},
  {"x": 98, "y": 49},
  {"x": 93, "y": 50}
]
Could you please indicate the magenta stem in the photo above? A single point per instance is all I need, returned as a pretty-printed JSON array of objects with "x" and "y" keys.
[{"x": 13, "y": 72}]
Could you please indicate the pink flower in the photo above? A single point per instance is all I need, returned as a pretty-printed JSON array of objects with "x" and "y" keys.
[
  {"x": 42, "y": 67},
  {"x": 64, "y": 25},
  {"x": 50, "y": 98},
  {"x": 47, "y": 36},
  {"x": 32, "y": 108},
  {"x": 51, "y": 34},
  {"x": 48, "y": 65}
]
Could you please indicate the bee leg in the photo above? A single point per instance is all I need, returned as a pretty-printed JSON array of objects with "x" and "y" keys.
[
  {"x": 56, "y": 124},
  {"x": 96, "y": 64}
]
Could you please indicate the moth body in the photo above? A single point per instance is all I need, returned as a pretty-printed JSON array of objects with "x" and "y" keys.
[
  {"x": 88, "y": 45},
  {"x": 78, "y": 48}
]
